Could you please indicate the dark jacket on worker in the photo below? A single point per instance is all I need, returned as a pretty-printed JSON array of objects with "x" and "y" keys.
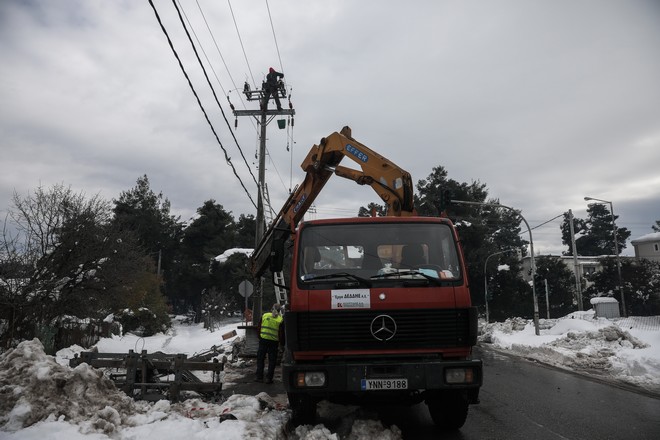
[{"x": 271, "y": 79}]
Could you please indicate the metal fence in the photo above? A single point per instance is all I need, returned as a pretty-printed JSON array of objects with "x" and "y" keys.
[{"x": 638, "y": 323}]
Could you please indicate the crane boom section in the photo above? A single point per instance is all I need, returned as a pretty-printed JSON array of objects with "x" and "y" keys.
[{"x": 392, "y": 184}]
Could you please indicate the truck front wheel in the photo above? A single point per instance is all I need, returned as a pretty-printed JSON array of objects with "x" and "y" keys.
[
  {"x": 303, "y": 408},
  {"x": 448, "y": 410}
]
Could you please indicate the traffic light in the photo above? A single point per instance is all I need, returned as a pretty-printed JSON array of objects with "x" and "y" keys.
[{"x": 445, "y": 199}]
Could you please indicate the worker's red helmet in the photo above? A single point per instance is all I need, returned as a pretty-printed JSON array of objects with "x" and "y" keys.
[{"x": 271, "y": 70}]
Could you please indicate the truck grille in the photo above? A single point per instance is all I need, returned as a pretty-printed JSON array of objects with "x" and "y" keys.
[{"x": 352, "y": 329}]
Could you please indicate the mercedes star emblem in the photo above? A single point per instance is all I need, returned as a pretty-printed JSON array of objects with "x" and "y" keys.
[{"x": 383, "y": 327}]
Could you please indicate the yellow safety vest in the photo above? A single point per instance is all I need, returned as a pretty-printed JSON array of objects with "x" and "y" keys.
[{"x": 270, "y": 326}]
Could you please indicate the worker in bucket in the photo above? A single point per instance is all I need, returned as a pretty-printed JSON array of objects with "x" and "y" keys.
[{"x": 270, "y": 332}]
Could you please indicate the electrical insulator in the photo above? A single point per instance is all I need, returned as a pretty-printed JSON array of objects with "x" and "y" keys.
[
  {"x": 292, "y": 124},
  {"x": 236, "y": 123}
]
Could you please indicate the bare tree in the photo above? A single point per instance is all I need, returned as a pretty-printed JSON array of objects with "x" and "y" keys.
[{"x": 60, "y": 255}]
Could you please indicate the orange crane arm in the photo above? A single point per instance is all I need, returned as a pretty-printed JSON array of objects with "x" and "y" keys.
[{"x": 391, "y": 183}]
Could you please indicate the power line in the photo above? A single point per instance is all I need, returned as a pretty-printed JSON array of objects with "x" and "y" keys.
[
  {"x": 248, "y": 65},
  {"x": 279, "y": 57},
  {"x": 199, "y": 43},
  {"x": 174, "y": 2},
  {"x": 274, "y": 37},
  {"x": 546, "y": 222},
  {"x": 199, "y": 102},
  {"x": 217, "y": 48},
  {"x": 242, "y": 47}
]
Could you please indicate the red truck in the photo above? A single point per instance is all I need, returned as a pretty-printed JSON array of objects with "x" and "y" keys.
[{"x": 379, "y": 308}]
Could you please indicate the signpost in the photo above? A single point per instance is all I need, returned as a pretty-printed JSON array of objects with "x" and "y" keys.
[{"x": 246, "y": 289}]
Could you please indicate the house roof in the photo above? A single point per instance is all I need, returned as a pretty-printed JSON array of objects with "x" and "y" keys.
[{"x": 648, "y": 238}]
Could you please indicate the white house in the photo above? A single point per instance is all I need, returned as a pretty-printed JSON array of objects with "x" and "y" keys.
[
  {"x": 647, "y": 246},
  {"x": 586, "y": 265}
]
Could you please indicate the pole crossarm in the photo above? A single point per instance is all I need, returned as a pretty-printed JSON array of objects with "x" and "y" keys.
[
  {"x": 288, "y": 112},
  {"x": 531, "y": 248}
]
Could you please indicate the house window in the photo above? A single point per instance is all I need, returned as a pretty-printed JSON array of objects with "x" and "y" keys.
[
  {"x": 588, "y": 270},
  {"x": 656, "y": 247}
]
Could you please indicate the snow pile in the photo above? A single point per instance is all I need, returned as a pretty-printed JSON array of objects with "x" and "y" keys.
[
  {"x": 360, "y": 429},
  {"x": 583, "y": 343},
  {"x": 38, "y": 395},
  {"x": 42, "y": 397},
  {"x": 33, "y": 387}
]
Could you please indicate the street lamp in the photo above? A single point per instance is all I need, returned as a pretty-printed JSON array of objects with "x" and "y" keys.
[
  {"x": 616, "y": 251},
  {"x": 486, "y": 279},
  {"x": 531, "y": 248}
]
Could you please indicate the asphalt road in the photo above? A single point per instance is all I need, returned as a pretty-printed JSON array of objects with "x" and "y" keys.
[
  {"x": 520, "y": 399},
  {"x": 524, "y": 400}
]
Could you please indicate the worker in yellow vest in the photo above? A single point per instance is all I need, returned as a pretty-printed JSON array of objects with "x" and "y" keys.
[{"x": 270, "y": 332}]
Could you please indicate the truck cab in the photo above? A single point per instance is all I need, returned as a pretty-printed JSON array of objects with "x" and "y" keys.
[{"x": 380, "y": 311}]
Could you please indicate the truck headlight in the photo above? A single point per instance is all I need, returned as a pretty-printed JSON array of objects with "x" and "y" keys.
[
  {"x": 310, "y": 379},
  {"x": 459, "y": 375}
]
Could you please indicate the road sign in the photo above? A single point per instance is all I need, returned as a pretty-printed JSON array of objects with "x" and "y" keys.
[{"x": 245, "y": 289}]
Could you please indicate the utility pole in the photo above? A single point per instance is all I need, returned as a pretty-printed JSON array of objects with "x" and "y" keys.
[
  {"x": 486, "y": 279},
  {"x": 531, "y": 249},
  {"x": 616, "y": 251},
  {"x": 576, "y": 266},
  {"x": 263, "y": 118}
]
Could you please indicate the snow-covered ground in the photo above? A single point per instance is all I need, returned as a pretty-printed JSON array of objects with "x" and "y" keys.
[
  {"x": 626, "y": 350},
  {"x": 41, "y": 397}
]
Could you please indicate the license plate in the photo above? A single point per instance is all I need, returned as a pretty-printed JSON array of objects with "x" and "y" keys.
[{"x": 384, "y": 384}]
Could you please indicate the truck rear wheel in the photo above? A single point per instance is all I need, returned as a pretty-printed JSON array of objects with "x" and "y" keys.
[
  {"x": 303, "y": 408},
  {"x": 448, "y": 410}
]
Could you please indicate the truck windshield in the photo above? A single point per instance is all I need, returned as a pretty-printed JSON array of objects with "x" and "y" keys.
[{"x": 378, "y": 252}]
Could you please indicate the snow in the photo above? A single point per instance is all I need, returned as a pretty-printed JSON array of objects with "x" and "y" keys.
[
  {"x": 653, "y": 236},
  {"x": 42, "y": 397},
  {"x": 626, "y": 350},
  {"x": 229, "y": 252},
  {"x": 602, "y": 300}
]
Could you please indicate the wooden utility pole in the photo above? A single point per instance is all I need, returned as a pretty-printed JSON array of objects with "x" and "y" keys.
[{"x": 263, "y": 118}]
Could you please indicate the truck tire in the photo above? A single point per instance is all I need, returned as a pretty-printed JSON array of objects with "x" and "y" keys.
[
  {"x": 448, "y": 410},
  {"x": 303, "y": 408}
]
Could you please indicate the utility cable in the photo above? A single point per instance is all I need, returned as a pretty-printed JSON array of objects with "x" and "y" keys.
[
  {"x": 217, "y": 48},
  {"x": 174, "y": 2},
  {"x": 544, "y": 223},
  {"x": 199, "y": 43},
  {"x": 241, "y": 41},
  {"x": 199, "y": 102},
  {"x": 274, "y": 37}
]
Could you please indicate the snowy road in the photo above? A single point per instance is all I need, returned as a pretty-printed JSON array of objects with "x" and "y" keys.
[{"x": 524, "y": 400}]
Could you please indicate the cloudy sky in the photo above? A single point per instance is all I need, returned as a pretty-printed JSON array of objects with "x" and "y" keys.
[{"x": 543, "y": 101}]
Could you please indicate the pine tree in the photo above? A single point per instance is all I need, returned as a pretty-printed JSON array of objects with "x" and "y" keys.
[
  {"x": 147, "y": 215},
  {"x": 656, "y": 226},
  {"x": 561, "y": 286},
  {"x": 595, "y": 233},
  {"x": 483, "y": 230},
  {"x": 210, "y": 234},
  {"x": 379, "y": 210}
]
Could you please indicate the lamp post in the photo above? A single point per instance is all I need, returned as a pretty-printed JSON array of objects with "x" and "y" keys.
[
  {"x": 616, "y": 251},
  {"x": 486, "y": 279},
  {"x": 531, "y": 248}
]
